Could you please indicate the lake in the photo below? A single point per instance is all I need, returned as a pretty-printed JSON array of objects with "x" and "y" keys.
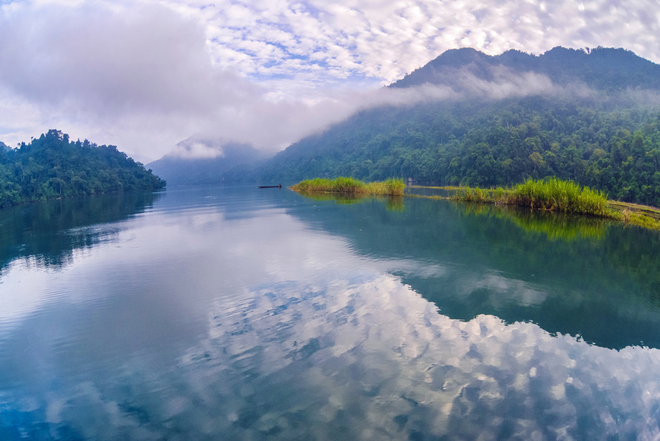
[{"x": 242, "y": 314}]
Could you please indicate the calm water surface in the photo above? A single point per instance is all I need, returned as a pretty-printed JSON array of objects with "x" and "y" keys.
[{"x": 243, "y": 314}]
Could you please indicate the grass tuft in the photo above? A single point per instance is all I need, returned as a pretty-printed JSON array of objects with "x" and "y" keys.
[
  {"x": 555, "y": 195},
  {"x": 392, "y": 187},
  {"x": 550, "y": 194}
]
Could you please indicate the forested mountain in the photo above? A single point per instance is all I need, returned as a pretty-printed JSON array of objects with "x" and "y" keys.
[
  {"x": 600, "y": 69},
  {"x": 597, "y": 123},
  {"x": 52, "y": 166}
]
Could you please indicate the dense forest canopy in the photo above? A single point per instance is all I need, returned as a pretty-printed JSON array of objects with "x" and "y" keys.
[
  {"x": 501, "y": 144},
  {"x": 607, "y": 138},
  {"x": 52, "y": 166}
]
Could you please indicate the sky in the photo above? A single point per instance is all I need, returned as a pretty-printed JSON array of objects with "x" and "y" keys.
[{"x": 146, "y": 75}]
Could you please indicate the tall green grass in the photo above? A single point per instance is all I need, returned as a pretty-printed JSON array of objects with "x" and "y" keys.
[
  {"x": 392, "y": 187},
  {"x": 549, "y": 194},
  {"x": 555, "y": 195}
]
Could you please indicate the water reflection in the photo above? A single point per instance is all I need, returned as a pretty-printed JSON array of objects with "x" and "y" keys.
[
  {"x": 237, "y": 314},
  {"x": 371, "y": 359},
  {"x": 602, "y": 284},
  {"x": 393, "y": 203},
  {"x": 360, "y": 358},
  {"x": 554, "y": 225},
  {"x": 338, "y": 198},
  {"x": 48, "y": 233}
]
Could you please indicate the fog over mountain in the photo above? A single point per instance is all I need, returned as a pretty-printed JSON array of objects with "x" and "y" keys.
[
  {"x": 212, "y": 160},
  {"x": 599, "y": 68},
  {"x": 145, "y": 75},
  {"x": 202, "y": 161},
  {"x": 397, "y": 129},
  {"x": 588, "y": 116}
]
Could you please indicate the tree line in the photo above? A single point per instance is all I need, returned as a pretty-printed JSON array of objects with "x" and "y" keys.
[
  {"x": 601, "y": 143},
  {"x": 53, "y": 166}
]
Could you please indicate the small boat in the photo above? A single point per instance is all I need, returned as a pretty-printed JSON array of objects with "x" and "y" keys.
[{"x": 271, "y": 186}]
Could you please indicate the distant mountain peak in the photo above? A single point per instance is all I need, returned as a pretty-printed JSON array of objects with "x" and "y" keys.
[{"x": 599, "y": 68}]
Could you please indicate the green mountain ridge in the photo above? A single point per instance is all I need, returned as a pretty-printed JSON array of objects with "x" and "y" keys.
[
  {"x": 599, "y": 68},
  {"x": 607, "y": 139}
]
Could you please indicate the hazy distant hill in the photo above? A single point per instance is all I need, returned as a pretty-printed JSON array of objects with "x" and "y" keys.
[
  {"x": 604, "y": 136},
  {"x": 234, "y": 163}
]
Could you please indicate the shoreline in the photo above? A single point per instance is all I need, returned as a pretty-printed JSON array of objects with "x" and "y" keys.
[{"x": 628, "y": 213}]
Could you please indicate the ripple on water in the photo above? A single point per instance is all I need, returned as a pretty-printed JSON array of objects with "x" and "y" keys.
[
  {"x": 367, "y": 360},
  {"x": 226, "y": 322}
]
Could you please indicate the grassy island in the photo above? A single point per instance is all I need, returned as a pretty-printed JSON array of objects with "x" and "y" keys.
[
  {"x": 342, "y": 185},
  {"x": 549, "y": 194}
]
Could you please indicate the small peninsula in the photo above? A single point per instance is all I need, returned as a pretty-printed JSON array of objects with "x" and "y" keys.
[{"x": 550, "y": 194}]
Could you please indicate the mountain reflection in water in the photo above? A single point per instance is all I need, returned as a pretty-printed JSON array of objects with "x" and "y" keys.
[
  {"x": 233, "y": 314},
  {"x": 571, "y": 275}
]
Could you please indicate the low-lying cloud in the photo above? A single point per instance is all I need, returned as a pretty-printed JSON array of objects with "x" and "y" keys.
[
  {"x": 144, "y": 77},
  {"x": 273, "y": 125}
]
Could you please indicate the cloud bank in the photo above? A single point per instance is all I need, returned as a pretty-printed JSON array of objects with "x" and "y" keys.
[{"x": 145, "y": 75}]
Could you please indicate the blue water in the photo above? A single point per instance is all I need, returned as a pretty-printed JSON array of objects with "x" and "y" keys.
[{"x": 244, "y": 314}]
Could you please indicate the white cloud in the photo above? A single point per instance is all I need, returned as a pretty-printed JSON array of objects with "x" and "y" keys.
[
  {"x": 145, "y": 75},
  {"x": 385, "y": 40},
  {"x": 197, "y": 150}
]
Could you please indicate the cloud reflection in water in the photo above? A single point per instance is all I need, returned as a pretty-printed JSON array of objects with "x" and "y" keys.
[
  {"x": 368, "y": 358},
  {"x": 301, "y": 336}
]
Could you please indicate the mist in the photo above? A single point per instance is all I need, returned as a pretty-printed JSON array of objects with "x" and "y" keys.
[{"x": 142, "y": 78}]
